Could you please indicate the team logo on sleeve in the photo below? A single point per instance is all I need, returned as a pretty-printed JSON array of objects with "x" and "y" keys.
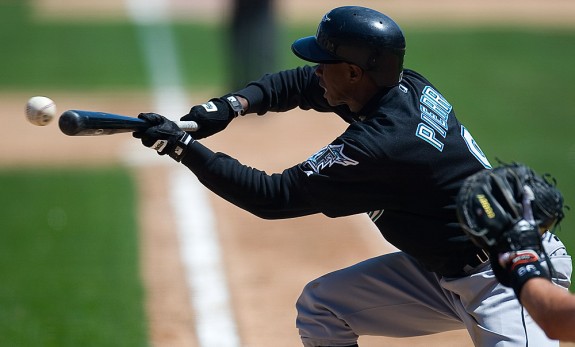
[{"x": 327, "y": 157}]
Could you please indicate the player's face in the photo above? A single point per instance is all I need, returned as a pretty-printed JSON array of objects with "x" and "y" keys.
[{"x": 334, "y": 79}]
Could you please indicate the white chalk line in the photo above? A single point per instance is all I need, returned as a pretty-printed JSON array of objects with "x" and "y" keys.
[{"x": 199, "y": 245}]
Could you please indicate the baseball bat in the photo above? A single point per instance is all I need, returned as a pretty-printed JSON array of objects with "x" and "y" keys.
[{"x": 91, "y": 123}]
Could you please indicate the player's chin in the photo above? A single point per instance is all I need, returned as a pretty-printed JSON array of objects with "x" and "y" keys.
[{"x": 332, "y": 101}]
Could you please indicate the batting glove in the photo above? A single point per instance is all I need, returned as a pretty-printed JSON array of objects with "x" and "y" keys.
[
  {"x": 215, "y": 115},
  {"x": 164, "y": 136}
]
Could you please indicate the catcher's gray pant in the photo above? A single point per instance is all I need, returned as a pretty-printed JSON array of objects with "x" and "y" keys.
[{"x": 392, "y": 295}]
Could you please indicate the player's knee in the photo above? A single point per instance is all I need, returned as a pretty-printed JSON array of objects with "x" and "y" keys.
[
  {"x": 309, "y": 296},
  {"x": 314, "y": 300},
  {"x": 319, "y": 313},
  {"x": 321, "y": 288}
]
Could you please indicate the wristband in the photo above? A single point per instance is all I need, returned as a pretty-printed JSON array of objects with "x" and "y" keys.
[
  {"x": 235, "y": 104},
  {"x": 181, "y": 146},
  {"x": 524, "y": 266}
]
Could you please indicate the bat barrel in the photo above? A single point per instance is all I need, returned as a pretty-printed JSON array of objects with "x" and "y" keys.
[{"x": 77, "y": 123}]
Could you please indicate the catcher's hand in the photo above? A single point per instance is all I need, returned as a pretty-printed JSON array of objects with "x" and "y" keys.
[{"x": 505, "y": 211}]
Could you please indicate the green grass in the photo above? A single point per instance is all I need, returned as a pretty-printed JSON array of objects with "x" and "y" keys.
[
  {"x": 97, "y": 56},
  {"x": 66, "y": 56},
  {"x": 69, "y": 259}
]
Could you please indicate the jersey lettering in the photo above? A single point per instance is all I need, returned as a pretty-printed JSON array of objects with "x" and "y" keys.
[
  {"x": 434, "y": 113},
  {"x": 436, "y": 122},
  {"x": 427, "y": 133},
  {"x": 474, "y": 148},
  {"x": 436, "y": 102}
]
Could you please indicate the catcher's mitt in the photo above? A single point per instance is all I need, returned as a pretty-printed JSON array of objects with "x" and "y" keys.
[{"x": 507, "y": 208}]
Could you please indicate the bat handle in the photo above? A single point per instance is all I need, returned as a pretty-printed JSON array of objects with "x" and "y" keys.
[{"x": 187, "y": 125}]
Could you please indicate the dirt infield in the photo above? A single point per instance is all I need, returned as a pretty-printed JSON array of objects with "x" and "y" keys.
[{"x": 267, "y": 262}]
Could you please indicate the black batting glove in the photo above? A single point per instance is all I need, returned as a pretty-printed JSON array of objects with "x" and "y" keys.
[
  {"x": 214, "y": 116},
  {"x": 164, "y": 136}
]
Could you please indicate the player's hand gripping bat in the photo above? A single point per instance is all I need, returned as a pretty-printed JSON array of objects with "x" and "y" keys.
[{"x": 91, "y": 123}]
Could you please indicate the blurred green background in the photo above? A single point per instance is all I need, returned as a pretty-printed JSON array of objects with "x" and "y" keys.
[
  {"x": 63, "y": 285},
  {"x": 69, "y": 259}
]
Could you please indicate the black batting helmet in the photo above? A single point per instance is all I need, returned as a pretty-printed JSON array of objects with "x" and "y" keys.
[{"x": 357, "y": 35}]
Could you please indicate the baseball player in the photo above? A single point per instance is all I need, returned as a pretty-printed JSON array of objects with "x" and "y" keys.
[
  {"x": 504, "y": 211},
  {"x": 401, "y": 160}
]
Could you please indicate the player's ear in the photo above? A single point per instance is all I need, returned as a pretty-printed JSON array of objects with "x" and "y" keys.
[{"x": 355, "y": 73}]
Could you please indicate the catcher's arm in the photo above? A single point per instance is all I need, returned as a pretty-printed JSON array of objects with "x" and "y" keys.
[{"x": 551, "y": 307}]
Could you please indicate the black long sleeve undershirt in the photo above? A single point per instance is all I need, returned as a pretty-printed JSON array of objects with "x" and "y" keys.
[{"x": 275, "y": 196}]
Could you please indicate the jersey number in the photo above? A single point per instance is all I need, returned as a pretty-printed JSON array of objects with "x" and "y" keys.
[{"x": 474, "y": 148}]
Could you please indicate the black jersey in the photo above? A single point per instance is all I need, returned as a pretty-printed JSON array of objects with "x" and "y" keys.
[{"x": 401, "y": 160}]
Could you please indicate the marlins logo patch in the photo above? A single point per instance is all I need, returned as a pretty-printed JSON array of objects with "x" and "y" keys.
[{"x": 326, "y": 157}]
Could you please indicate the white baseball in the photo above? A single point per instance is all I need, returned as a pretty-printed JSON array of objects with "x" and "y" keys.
[{"x": 40, "y": 110}]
